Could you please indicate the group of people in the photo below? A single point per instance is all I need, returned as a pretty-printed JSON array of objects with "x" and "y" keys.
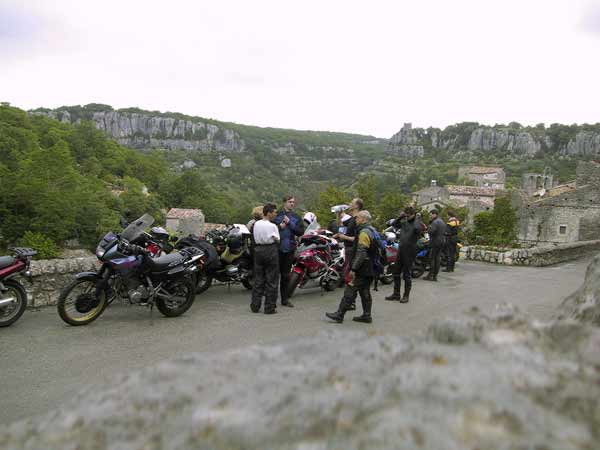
[{"x": 275, "y": 234}]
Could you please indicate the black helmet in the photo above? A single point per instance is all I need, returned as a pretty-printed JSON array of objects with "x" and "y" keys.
[{"x": 235, "y": 240}]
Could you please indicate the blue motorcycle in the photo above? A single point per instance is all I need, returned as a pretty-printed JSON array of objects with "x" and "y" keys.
[{"x": 129, "y": 272}]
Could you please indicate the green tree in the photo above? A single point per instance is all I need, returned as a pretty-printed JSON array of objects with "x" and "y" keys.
[
  {"x": 329, "y": 197},
  {"x": 499, "y": 226},
  {"x": 389, "y": 207}
]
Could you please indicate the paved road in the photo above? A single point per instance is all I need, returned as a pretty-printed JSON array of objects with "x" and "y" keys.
[{"x": 43, "y": 361}]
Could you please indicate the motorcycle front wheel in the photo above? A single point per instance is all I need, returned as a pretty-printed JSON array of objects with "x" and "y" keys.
[
  {"x": 293, "y": 283},
  {"x": 78, "y": 304},
  {"x": 176, "y": 297},
  {"x": 10, "y": 312}
]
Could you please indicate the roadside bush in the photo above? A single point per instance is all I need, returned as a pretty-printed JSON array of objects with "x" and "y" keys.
[
  {"x": 45, "y": 247},
  {"x": 497, "y": 227}
]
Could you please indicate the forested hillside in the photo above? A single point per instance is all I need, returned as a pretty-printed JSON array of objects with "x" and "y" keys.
[{"x": 66, "y": 174}]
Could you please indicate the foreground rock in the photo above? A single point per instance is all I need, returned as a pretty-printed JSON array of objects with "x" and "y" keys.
[
  {"x": 499, "y": 382},
  {"x": 584, "y": 304}
]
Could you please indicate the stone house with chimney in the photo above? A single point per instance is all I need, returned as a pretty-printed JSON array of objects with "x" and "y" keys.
[
  {"x": 492, "y": 177},
  {"x": 563, "y": 213}
]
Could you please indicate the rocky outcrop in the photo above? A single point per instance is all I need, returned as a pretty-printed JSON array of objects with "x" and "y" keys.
[
  {"x": 488, "y": 139},
  {"x": 474, "y": 138},
  {"x": 145, "y": 131},
  {"x": 584, "y": 304},
  {"x": 497, "y": 381},
  {"x": 585, "y": 143}
]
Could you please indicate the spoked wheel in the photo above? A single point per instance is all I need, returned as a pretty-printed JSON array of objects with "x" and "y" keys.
[
  {"x": 176, "y": 297},
  {"x": 78, "y": 303},
  {"x": 14, "y": 301}
]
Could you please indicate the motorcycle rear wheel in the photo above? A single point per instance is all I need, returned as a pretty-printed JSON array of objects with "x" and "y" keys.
[
  {"x": 84, "y": 307},
  {"x": 10, "y": 313},
  {"x": 202, "y": 281},
  {"x": 417, "y": 271},
  {"x": 181, "y": 294},
  {"x": 387, "y": 277}
]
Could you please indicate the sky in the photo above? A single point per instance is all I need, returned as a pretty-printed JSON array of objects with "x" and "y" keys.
[{"x": 335, "y": 65}]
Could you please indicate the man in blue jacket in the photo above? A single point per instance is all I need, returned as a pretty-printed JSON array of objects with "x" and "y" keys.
[{"x": 290, "y": 226}]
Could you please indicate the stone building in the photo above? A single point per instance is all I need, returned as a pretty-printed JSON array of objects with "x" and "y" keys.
[
  {"x": 565, "y": 213},
  {"x": 535, "y": 182},
  {"x": 492, "y": 177},
  {"x": 185, "y": 221},
  {"x": 432, "y": 197}
]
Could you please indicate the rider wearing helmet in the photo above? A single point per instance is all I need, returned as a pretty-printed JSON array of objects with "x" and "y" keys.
[{"x": 309, "y": 218}]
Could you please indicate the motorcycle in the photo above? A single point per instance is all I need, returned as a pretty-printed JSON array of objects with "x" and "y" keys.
[
  {"x": 391, "y": 256},
  {"x": 130, "y": 273},
  {"x": 233, "y": 262},
  {"x": 13, "y": 297},
  {"x": 319, "y": 261}
]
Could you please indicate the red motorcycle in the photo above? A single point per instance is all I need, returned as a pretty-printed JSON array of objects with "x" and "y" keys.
[
  {"x": 13, "y": 298},
  {"x": 318, "y": 262}
]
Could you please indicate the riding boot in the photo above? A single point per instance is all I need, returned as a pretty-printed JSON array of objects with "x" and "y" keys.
[
  {"x": 366, "y": 315},
  {"x": 345, "y": 304},
  {"x": 396, "y": 293},
  {"x": 406, "y": 293}
]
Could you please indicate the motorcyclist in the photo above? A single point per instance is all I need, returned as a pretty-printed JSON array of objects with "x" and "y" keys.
[
  {"x": 452, "y": 226},
  {"x": 409, "y": 228},
  {"x": 437, "y": 228}
]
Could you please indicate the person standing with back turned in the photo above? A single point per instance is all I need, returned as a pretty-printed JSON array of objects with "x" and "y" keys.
[
  {"x": 437, "y": 229},
  {"x": 290, "y": 226},
  {"x": 266, "y": 261}
]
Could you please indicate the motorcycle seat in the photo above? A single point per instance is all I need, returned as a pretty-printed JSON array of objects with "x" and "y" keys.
[
  {"x": 6, "y": 261},
  {"x": 166, "y": 262}
]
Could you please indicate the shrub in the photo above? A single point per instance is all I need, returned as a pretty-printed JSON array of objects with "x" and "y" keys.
[{"x": 45, "y": 246}]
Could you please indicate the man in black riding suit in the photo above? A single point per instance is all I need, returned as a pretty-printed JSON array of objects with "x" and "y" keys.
[
  {"x": 409, "y": 228},
  {"x": 362, "y": 272},
  {"x": 437, "y": 229}
]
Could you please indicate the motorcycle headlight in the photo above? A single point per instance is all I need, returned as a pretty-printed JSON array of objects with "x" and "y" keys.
[{"x": 100, "y": 252}]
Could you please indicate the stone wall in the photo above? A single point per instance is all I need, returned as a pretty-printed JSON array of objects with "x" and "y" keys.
[
  {"x": 50, "y": 276},
  {"x": 543, "y": 255}
]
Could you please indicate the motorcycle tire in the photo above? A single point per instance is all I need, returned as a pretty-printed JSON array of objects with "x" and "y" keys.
[
  {"x": 293, "y": 283},
  {"x": 387, "y": 277},
  {"x": 248, "y": 283},
  {"x": 202, "y": 281},
  {"x": 417, "y": 271},
  {"x": 166, "y": 304},
  {"x": 9, "y": 314},
  {"x": 84, "y": 303}
]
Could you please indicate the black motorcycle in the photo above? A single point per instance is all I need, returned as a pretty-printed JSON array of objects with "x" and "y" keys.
[
  {"x": 129, "y": 272},
  {"x": 229, "y": 257}
]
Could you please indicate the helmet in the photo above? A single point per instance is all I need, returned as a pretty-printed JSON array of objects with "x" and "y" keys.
[
  {"x": 309, "y": 218},
  {"x": 235, "y": 240}
]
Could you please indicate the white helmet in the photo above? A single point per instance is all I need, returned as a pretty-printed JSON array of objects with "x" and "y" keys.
[{"x": 309, "y": 218}]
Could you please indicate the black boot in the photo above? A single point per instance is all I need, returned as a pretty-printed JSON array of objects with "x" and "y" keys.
[
  {"x": 396, "y": 294},
  {"x": 337, "y": 316},
  {"x": 429, "y": 277},
  {"x": 406, "y": 294},
  {"x": 366, "y": 305}
]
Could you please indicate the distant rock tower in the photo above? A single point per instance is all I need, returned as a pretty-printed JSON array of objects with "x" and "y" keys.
[{"x": 533, "y": 182}]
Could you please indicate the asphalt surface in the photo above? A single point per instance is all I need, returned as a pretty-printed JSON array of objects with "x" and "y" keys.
[{"x": 43, "y": 361}]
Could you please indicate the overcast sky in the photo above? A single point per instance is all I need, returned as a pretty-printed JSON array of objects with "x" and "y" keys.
[{"x": 338, "y": 65}]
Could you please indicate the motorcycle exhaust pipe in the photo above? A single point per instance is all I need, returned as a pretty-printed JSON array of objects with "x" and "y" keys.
[{"x": 6, "y": 301}]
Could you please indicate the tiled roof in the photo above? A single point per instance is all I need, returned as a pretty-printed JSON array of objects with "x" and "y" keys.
[
  {"x": 484, "y": 170},
  {"x": 471, "y": 190},
  {"x": 180, "y": 213}
]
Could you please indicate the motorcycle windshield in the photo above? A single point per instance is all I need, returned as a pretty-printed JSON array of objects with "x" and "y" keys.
[
  {"x": 314, "y": 226},
  {"x": 137, "y": 227}
]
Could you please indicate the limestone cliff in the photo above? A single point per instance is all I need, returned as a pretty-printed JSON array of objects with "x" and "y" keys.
[
  {"x": 144, "y": 130},
  {"x": 513, "y": 139}
]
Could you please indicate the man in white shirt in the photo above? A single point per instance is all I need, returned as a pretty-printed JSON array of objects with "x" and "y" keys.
[{"x": 266, "y": 261}]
